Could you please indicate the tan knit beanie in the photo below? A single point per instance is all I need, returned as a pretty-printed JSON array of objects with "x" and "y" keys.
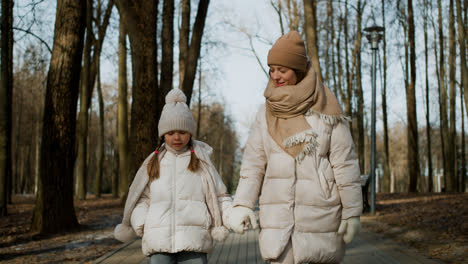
[
  {"x": 176, "y": 115},
  {"x": 289, "y": 51}
]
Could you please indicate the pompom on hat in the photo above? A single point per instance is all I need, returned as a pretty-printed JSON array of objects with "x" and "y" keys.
[
  {"x": 176, "y": 115},
  {"x": 289, "y": 51}
]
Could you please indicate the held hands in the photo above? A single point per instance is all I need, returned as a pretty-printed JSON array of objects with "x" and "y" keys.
[
  {"x": 349, "y": 228},
  {"x": 242, "y": 218}
]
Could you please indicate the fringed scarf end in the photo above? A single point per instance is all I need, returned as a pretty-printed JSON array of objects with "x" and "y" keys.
[{"x": 329, "y": 119}]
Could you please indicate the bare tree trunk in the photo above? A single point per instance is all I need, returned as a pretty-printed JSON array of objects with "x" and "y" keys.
[
  {"x": 97, "y": 43},
  {"x": 6, "y": 92},
  {"x": 81, "y": 170},
  {"x": 328, "y": 40},
  {"x": 199, "y": 99},
  {"x": 310, "y": 28},
  {"x": 413, "y": 150},
  {"x": 443, "y": 103},
  {"x": 122, "y": 112},
  {"x": 184, "y": 33},
  {"x": 358, "y": 91},
  {"x": 462, "y": 44},
  {"x": 167, "y": 45},
  {"x": 428, "y": 123},
  {"x": 140, "y": 19},
  {"x": 54, "y": 210},
  {"x": 349, "y": 89},
  {"x": 463, "y": 156},
  {"x": 344, "y": 99},
  {"x": 100, "y": 150},
  {"x": 387, "y": 172},
  {"x": 452, "y": 152},
  {"x": 194, "y": 49}
]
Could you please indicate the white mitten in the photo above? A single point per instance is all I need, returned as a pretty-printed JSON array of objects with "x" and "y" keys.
[
  {"x": 241, "y": 218},
  {"x": 349, "y": 228}
]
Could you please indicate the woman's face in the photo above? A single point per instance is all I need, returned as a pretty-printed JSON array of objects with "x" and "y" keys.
[
  {"x": 282, "y": 75},
  {"x": 177, "y": 139}
]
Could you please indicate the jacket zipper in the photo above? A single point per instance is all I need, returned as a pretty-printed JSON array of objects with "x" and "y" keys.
[{"x": 173, "y": 203}]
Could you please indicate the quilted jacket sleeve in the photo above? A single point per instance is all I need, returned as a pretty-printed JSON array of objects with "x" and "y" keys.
[
  {"x": 345, "y": 164},
  {"x": 253, "y": 166},
  {"x": 140, "y": 211}
]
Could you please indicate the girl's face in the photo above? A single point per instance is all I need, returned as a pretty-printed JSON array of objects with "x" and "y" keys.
[
  {"x": 282, "y": 75},
  {"x": 177, "y": 139}
]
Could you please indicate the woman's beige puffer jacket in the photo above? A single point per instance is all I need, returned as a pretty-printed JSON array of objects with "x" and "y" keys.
[
  {"x": 172, "y": 211},
  {"x": 305, "y": 201}
]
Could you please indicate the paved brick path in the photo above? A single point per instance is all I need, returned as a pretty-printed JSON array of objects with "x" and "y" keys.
[{"x": 367, "y": 248}]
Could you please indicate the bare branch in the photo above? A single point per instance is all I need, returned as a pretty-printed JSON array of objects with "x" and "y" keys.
[{"x": 27, "y": 31}]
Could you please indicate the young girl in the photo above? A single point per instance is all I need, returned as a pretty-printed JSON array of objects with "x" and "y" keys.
[{"x": 177, "y": 199}]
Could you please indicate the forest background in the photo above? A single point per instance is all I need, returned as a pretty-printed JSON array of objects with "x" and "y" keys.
[{"x": 80, "y": 103}]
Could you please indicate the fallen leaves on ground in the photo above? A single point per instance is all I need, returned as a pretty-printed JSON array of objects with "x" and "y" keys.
[
  {"x": 97, "y": 216},
  {"x": 436, "y": 224}
]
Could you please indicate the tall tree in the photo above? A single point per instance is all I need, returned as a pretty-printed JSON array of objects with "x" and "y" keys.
[
  {"x": 140, "y": 19},
  {"x": 6, "y": 88},
  {"x": 463, "y": 156},
  {"x": 100, "y": 150},
  {"x": 387, "y": 172},
  {"x": 194, "y": 49},
  {"x": 184, "y": 32},
  {"x": 413, "y": 151},
  {"x": 310, "y": 28},
  {"x": 452, "y": 151},
  {"x": 54, "y": 210},
  {"x": 122, "y": 111},
  {"x": 82, "y": 140},
  {"x": 448, "y": 171},
  {"x": 428, "y": 123},
  {"x": 359, "y": 95},
  {"x": 167, "y": 45},
  {"x": 462, "y": 44}
]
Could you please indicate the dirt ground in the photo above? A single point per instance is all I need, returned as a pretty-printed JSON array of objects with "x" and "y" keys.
[{"x": 435, "y": 224}]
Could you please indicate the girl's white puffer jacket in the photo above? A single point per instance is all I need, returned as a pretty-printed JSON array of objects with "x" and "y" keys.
[
  {"x": 172, "y": 213},
  {"x": 302, "y": 201}
]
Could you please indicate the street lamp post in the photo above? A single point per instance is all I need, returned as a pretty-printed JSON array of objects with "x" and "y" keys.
[{"x": 374, "y": 37}]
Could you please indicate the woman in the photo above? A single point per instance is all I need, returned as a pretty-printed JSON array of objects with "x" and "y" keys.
[{"x": 300, "y": 164}]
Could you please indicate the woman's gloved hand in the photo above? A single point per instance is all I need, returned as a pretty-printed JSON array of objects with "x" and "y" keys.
[
  {"x": 241, "y": 218},
  {"x": 349, "y": 228}
]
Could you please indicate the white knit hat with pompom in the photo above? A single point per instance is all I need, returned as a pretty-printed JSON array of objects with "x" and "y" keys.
[{"x": 176, "y": 115}]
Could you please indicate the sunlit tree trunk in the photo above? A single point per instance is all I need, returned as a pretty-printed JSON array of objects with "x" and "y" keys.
[
  {"x": 82, "y": 142},
  {"x": 413, "y": 150},
  {"x": 100, "y": 150},
  {"x": 310, "y": 28},
  {"x": 6, "y": 89},
  {"x": 54, "y": 210},
  {"x": 140, "y": 19},
  {"x": 122, "y": 112}
]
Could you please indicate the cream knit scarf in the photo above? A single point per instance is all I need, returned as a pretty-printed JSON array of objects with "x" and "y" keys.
[{"x": 285, "y": 110}]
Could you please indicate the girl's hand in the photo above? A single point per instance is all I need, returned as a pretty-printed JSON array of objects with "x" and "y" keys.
[{"x": 242, "y": 218}]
